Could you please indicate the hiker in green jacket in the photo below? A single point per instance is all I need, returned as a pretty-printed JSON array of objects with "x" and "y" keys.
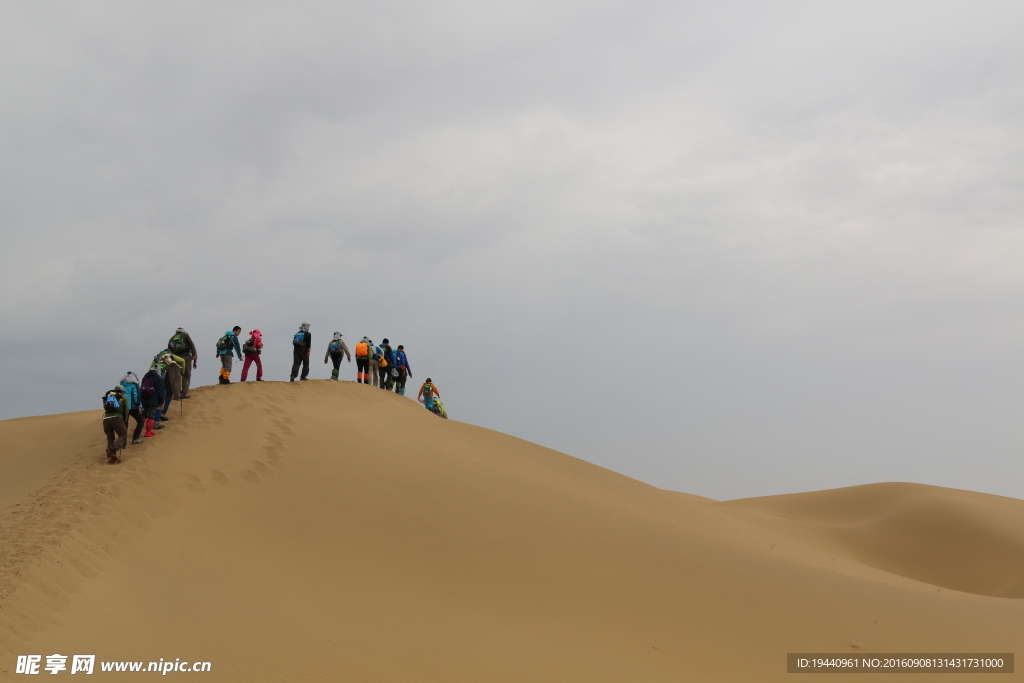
[{"x": 115, "y": 422}]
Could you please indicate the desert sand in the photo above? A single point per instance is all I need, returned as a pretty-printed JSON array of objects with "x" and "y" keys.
[{"x": 330, "y": 531}]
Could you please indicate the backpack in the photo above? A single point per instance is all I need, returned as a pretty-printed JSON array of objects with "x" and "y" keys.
[
  {"x": 335, "y": 346},
  {"x": 428, "y": 390},
  {"x": 383, "y": 362},
  {"x": 177, "y": 345},
  {"x": 249, "y": 346},
  {"x": 299, "y": 339},
  {"x": 362, "y": 350},
  {"x": 111, "y": 403},
  {"x": 146, "y": 389},
  {"x": 224, "y": 343}
]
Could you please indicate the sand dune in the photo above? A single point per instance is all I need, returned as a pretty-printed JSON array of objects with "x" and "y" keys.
[
  {"x": 971, "y": 542},
  {"x": 20, "y": 434},
  {"x": 329, "y": 531}
]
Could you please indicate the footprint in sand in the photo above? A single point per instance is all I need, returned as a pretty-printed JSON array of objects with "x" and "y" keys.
[
  {"x": 220, "y": 477},
  {"x": 192, "y": 482},
  {"x": 251, "y": 476}
]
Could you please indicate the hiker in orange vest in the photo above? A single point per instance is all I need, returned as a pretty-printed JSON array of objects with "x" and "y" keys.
[
  {"x": 364, "y": 351},
  {"x": 426, "y": 395}
]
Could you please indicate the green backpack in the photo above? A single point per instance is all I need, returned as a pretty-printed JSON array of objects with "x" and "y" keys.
[{"x": 177, "y": 345}]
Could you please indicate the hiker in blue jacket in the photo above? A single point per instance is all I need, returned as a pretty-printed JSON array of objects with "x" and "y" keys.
[
  {"x": 404, "y": 371},
  {"x": 130, "y": 382},
  {"x": 225, "y": 345}
]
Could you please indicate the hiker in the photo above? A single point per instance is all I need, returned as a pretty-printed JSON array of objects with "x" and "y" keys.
[
  {"x": 152, "y": 395},
  {"x": 374, "y": 365},
  {"x": 130, "y": 382},
  {"x": 181, "y": 345},
  {"x": 302, "y": 343},
  {"x": 253, "y": 347},
  {"x": 337, "y": 350},
  {"x": 363, "y": 356},
  {"x": 225, "y": 345},
  {"x": 404, "y": 371},
  {"x": 385, "y": 365},
  {"x": 172, "y": 369},
  {"x": 427, "y": 393},
  {"x": 438, "y": 408},
  {"x": 115, "y": 421}
]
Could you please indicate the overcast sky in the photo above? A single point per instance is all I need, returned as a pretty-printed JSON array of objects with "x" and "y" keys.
[{"x": 729, "y": 248}]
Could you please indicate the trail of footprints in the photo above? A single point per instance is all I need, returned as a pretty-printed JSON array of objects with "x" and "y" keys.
[
  {"x": 74, "y": 523},
  {"x": 279, "y": 427},
  {"x": 71, "y": 524}
]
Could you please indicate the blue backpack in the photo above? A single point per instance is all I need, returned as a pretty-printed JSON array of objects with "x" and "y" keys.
[
  {"x": 111, "y": 403},
  {"x": 299, "y": 339},
  {"x": 335, "y": 346}
]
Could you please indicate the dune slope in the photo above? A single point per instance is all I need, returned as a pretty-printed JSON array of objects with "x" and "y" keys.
[{"x": 330, "y": 531}]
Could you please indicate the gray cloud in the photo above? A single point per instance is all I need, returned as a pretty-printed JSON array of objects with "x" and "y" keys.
[{"x": 729, "y": 248}]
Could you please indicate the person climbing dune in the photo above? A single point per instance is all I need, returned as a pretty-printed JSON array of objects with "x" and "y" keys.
[
  {"x": 152, "y": 394},
  {"x": 302, "y": 344},
  {"x": 427, "y": 393},
  {"x": 385, "y": 364},
  {"x": 404, "y": 371},
  {"x": 172, "y": 369},
  {"x": 225, "y": 345},
  {"x": 336, "y": 351},
  {"x": 181, "y": 344},
  {"x": 363, "y": 355},
  {"x": 130, "y": 382},
  {"x": 374, "y": 364},
  {"x": 115, "y": 422},
  {"x": 253, "y": 347}
]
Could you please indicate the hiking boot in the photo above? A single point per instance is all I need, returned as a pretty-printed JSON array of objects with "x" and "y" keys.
[
  {"x": 291, "y": 379},
  {"x": 158, "y": 427},
  {"x": 259, "y": 379},
  {"x": 165, "y": 419},
  {"x": 184, "y": 397},
  {"x": 303, "y": 379},
  {"x": 137, "y": 441}
]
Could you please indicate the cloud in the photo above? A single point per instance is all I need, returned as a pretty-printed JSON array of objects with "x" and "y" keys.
[{"x": 599, "y": 221}]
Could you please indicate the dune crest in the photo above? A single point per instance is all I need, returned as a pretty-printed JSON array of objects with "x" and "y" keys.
[{"x": 333, "y": 531}]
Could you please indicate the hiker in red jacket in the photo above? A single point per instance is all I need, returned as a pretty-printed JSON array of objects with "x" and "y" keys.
[{"x": 252, "y": 349}]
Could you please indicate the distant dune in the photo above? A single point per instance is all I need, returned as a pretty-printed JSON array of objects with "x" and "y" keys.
[{"x": 330, "y": 531}]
